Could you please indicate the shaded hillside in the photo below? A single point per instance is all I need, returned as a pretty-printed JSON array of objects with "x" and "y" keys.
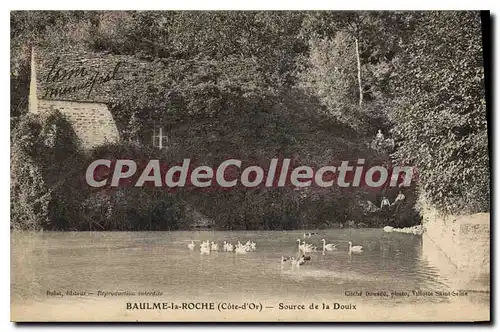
[{"x": 315, "y": 87}]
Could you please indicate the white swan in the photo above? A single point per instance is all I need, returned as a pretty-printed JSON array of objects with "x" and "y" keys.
[
  {"x": 191, "y": 245},
  {"x": 229, "y": 247},
  {"x": 301, "y": 246},
  {"x": 205, "y": 248},
  {"x": 388, "y": 229},
  {"x": 214, "y": 246},
  {"x": 355, "y": 248},
  {"x": 240, "y": 250},
  {"x": 300, "y": 261},
  {"x": 329, "y": 246},
  {"x": 307, "y": 247}
]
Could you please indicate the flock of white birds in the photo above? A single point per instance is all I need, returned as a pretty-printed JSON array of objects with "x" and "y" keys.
[
  {"x": 305, "y": 248},
  {"x": 206, "y": 247}
]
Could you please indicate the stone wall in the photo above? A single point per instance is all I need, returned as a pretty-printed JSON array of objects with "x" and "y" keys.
[
  {"x": 91, "y": 122},
  {"x": 464, "y": 240}
]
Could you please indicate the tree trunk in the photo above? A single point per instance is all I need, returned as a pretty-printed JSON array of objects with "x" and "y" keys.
[{"x": 359, "y": 71}]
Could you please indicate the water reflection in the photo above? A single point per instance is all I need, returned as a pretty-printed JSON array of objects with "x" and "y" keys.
[{"x": 161, "y": 260}]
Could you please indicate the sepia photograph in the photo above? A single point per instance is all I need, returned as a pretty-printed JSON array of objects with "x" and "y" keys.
[{"x": 250, "y": 166}]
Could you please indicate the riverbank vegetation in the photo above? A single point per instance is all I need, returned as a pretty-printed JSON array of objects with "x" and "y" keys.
[{"x": 312, "y": 86}]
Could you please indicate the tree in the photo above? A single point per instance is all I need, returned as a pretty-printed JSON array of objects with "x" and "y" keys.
[
  {"x": 350, "y": 62},
  {"x": 440, "y": 117}
]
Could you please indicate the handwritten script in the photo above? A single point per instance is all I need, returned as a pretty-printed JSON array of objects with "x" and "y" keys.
[{"x": 82, "y": 77}]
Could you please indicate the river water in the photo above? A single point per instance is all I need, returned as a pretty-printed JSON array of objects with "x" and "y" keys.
[{"x": 161, "y": 262}]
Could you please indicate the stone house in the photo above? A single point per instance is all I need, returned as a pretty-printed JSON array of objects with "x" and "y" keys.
[{"x": 82, "y": 85}]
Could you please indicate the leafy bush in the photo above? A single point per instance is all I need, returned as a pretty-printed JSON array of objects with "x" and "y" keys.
[{"x": 44, "y": 157}]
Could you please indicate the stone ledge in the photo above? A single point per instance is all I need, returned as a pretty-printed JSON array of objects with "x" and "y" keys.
[{"x": 465, "y": 242}]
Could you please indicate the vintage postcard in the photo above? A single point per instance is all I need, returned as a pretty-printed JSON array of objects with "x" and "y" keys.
[{"x": 250, "y": 166}]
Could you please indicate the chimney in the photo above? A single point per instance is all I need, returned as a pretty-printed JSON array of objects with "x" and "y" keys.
[{"x": 33, "y": 98}]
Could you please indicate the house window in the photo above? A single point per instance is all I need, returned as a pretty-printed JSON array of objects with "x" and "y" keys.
[{"x": 160, "y": 139}]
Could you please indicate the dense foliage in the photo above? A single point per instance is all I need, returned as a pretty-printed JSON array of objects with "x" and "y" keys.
[
  {"x": 440, "y": 113},
  {"x": 313, "y": 86},
  {"x": 48, "y": 190},
  {"x": 44, "y": 156}
]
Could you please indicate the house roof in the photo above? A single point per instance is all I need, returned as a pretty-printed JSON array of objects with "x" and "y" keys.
[{"x": 77, "y": 75}]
